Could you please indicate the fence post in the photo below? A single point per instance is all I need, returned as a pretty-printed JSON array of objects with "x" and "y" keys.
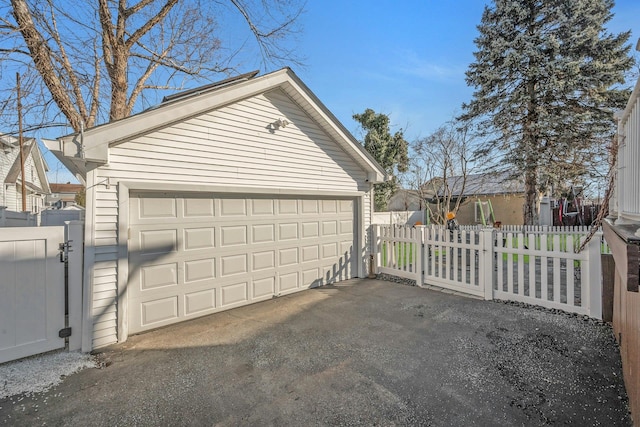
[
  {"x": 485, "y": 259},
  {"x": 594, "y": 276},
  {"x": 377, "y": 248},
  {"x": 418, "y": 255},
  {"x": 74, "y": 237}
]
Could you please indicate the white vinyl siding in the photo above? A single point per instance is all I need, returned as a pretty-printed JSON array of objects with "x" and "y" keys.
[
  {"x": 235, "y": 146},
  {"x": 232, "y": 146}
]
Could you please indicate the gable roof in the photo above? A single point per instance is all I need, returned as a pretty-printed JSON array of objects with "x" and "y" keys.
[
  {"x": 66, "y": 188},
  {"x": 487, "y": 184},
  {"x": 92, "y": 145},
  {"x": 29, "y": 148}
]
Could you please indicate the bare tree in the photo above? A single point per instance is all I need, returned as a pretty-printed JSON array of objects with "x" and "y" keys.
[
  {"x": 440, "y": 167},
  {"x": 87, "y": 62}
]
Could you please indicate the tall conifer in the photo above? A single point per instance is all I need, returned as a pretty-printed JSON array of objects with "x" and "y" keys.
[{"x": 547, "y": 78}]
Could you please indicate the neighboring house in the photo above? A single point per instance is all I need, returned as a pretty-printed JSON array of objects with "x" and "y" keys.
[
  {"x": 225, "y": 195},
  {"x": 505, "y": 195},
  {"x": 405, "y": 200},
  {"x": 63, "y": 195},
  {"x": 35, "y": 167}
]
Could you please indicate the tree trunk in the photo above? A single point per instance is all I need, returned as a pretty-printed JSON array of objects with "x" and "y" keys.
[
  {"x": 530, "y": 198},
  {"x": 41, "y": 57}
]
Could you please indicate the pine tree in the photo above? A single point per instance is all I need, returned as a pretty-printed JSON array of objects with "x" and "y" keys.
[
  {"x": 546, "y": 78},
  {"x": 390, "y": 151}
]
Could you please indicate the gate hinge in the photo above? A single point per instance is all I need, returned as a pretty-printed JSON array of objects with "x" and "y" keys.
[{"x": 64, "y": 333}]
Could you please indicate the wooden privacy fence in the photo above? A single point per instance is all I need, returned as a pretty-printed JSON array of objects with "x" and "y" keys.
[{"x": 532, "y": 266}]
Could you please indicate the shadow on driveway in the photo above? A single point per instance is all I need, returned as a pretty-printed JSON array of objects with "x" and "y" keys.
[{"x": 360, "y": 352}]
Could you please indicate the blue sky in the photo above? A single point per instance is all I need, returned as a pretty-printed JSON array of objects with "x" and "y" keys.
[
  {"x": 405, "y": 58},
  {"x": 402, "y": 58}
]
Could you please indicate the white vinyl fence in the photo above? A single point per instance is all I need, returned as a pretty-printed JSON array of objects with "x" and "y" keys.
[
  {"x": 530, "y": 265},
  {"x": 51, "y": 217},
  {"x": 17, "y": 219}
]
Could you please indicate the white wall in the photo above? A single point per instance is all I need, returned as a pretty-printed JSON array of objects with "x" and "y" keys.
[{"x": 399, "y": 217}]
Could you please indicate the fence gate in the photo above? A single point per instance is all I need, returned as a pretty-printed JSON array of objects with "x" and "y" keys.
[
  {"x": 32, "y": 291},
  {"x": 454, "y": 260}
]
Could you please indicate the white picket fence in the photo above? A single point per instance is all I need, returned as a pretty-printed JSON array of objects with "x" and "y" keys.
[{"x": 535, "y": 266}]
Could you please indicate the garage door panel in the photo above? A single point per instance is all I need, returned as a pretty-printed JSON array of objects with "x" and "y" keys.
[
  {"x": 220, "y": 253},
  {"x": 199, "y": 238},
  {"x": 288, "y": 231},
  {"x": 233, "y": 207},
  {"x": 159, "y": 311},
  {"x": 287, "y": 207},
  {"x": 329, "y": 251},
  {"x": 232, "y": 235},
  {"x": 264, "y": 287},
  {"x": 345, "y": 206},
  {"x": 262, "y": 207},
  {"x": 157, "y": 207},
  {"x": 312, "y": 277},
  {"x": 264, "y": 260},
  {"x": 198, "y": 270},
  {"x": 329, "y": 228},
  {"x": 329, "y": 206},
  {"x": 287, "y": 256},
  {"x": 158, "y": 241},
  {"x": 346, "y": 226},
  {"x": 198, "y": 208},
  {"x": 234, "y": 293},
  {"x": 263, "y": 233},
  {"x": 288, "y": 281},
  {"x": 199, "y": 302},
  {"x": 309, "y": 206},
  {"x": 310, "y": 229},
  {"x": 160, "y": 275},
  {"x": 311, "y": 253},
  {"x": 233, "y": 264}
]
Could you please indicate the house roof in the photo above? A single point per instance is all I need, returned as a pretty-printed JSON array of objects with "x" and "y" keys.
[
  {"x": 66, "y": 188},
  {"x": 483, "y": 185},
  {"x": 29, "y": 148},
  {"x": 92, "y": 145}
]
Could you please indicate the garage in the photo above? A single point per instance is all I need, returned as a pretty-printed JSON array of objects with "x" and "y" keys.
[
  {"x": 219, "y": 196},
  {"x": 192, "y": 255}
]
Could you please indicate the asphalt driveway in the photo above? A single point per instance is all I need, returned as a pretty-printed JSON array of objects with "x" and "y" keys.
[{"x": 364, "y": 352}]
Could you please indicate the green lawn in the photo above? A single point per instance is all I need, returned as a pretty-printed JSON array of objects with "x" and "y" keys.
[{"x": 403, "y": 253}]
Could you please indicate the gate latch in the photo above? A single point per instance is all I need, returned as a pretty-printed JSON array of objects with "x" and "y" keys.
[
  {"x": 64, "y": 248},
  {"x": 64, "y": 333}
]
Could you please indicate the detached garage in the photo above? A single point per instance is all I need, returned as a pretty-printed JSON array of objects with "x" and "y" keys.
[{"x": 226, "y": 195}]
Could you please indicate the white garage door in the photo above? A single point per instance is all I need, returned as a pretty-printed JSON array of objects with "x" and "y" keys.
[{"x": 191, "y": 255}]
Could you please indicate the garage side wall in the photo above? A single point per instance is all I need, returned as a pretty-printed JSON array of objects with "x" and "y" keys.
[{"x": 235, "y": 146}]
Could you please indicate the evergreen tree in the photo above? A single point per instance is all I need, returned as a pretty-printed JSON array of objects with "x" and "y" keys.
[
  {"x": 390, "y": 151},
  {"x": 546, "y": 79}
]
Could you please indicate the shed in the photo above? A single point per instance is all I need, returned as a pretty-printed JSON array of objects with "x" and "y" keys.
[{"x": 222, "y": 196}]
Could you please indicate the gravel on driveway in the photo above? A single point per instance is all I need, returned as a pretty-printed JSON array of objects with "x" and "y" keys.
[{"x": 362, "y": 352}]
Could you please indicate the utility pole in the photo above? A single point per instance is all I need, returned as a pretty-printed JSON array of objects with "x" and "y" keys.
[{"x": 24, "y": 179}]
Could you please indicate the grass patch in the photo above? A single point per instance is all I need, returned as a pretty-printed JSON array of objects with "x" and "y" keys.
[{"x": 403, "y": 253}]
